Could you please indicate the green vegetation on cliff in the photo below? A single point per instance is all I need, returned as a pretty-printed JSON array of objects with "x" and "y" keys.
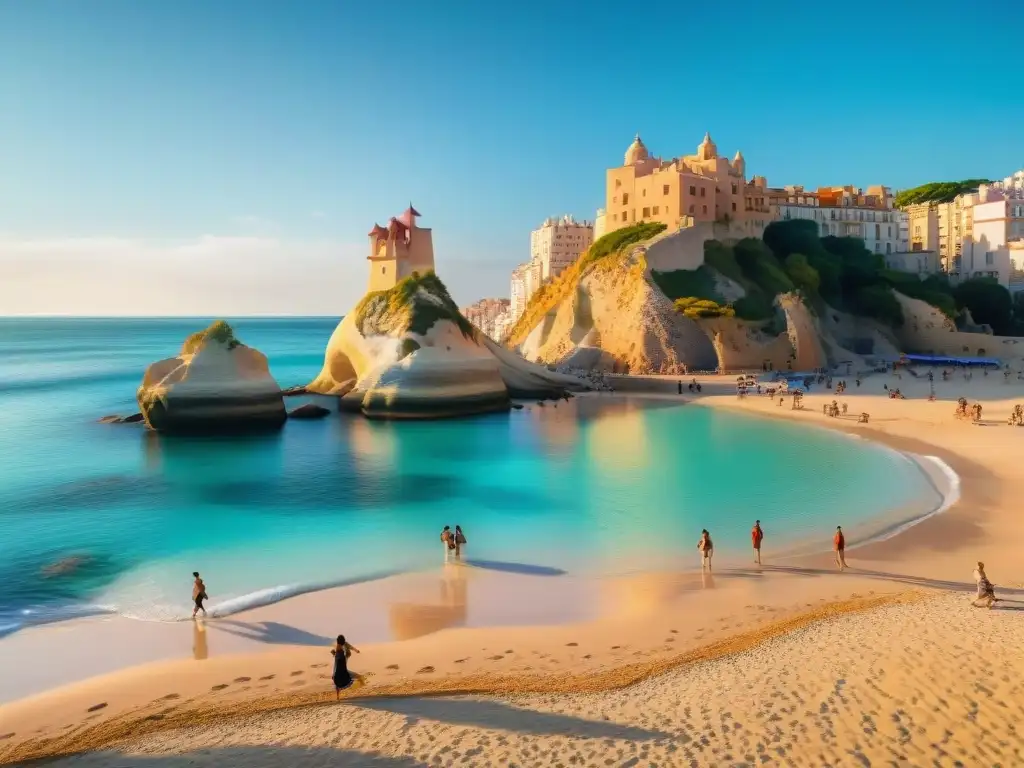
[
  {"x": 701, "y": 309},
  {"x": 601, "y": 251},
  {"x": 414, "y": 305},
  {"x": 218, "y": 330},
  {"x": 937, "y": 192}
]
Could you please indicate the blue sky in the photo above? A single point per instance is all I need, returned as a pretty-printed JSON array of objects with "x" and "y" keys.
[{"x": 228, "y": 158}]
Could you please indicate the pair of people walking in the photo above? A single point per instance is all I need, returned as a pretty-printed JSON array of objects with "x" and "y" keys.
[
  {"x": 453, "y": 541},
  {"x": 707, "y": 546}
]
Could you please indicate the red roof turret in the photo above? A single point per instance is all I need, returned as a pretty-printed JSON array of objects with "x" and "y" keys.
[
  {"x": 377, "y": 230},
  {"x": 409, "y": 217}
]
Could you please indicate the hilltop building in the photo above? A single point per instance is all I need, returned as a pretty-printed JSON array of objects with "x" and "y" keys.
[
  {"x": 557, "y": 243},
  {"x": 398, "y": 250},
  {"x": 703, "y": 187}
]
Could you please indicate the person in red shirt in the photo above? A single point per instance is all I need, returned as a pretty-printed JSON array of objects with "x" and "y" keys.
[
  {"x": 839, "y": 544},
  {"x": 756, "y": 537}
]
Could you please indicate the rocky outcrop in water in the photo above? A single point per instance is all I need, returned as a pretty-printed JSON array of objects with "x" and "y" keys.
[
  {"x": 214, "y": 385},
  {"x": 409, "y": 353}
]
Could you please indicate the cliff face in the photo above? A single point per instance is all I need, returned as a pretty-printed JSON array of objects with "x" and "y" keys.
[
  {"x": 409, "y": 353},
  {"x": 215, "y": 384},
  {"x": 927, "y": 330}
]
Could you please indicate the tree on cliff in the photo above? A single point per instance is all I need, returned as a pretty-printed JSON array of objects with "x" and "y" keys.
[
  {"x": 937, "y": 192},
  {"x": 988, "y": 302}
]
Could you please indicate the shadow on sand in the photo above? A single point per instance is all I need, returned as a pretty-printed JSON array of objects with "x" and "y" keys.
[
  {"x": 495, "y": 714},
  {"x": 522, "y": 568},
  {"x": 293, "y": 757},
  {"x": 270, "y": 632}
]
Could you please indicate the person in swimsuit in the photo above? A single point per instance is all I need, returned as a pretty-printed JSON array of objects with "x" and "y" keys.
[
  {"x": 839, "y": 544},
  {"x": 460, "y": 540},
  {"x": 756, "y": 537},
  {"x": 342, "y": 677},
  {"x": 198, "y": 594},
  {"x": 707, "y": 549},
  {"x": 986, "y": 592}
]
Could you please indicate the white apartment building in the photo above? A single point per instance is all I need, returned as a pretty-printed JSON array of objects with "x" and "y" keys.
[
  {"x": 993, "y": 228},
  {"x": 557, "y": 243},
  {"x": 518, "y": 294},
  {"x": 1013, "y": 181},
  {"x": 879, "y": 228}
]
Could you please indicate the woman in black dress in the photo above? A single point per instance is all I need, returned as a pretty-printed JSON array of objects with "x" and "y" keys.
[{"x": 342, "y": 677}]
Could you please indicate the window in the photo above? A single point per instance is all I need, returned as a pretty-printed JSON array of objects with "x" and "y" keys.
[
  {"x": 989, "y": 259},
  {"x": 625, "y": 197},
  {"x": 647, "y": 212},
  {"x": 691, "y": 209},
  {"x": 618, "y": 183},
  {"x": 643, "y": 193},
  {"x": 703, "y": 190},
  {"x": 383, "y": 270},
  {"x": 734, "y": 206},
  {"x": 878, "y": 247},
  {"x": 664, "y": 190},
  {"x": 734, "y": 189},
  {"x": 878, "y": 231},
  {"x": 693, "y": 190},
  {"x": 888, "y": 247},
  {"x": 655, "y": 210},
  {"x": 615, "y": 199},
  {"x": 705, "y": 209}
]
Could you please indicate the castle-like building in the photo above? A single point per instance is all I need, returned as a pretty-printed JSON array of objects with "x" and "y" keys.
[
  {"x": 703, "y": 187},
  {"x": 398, "y": 250}
]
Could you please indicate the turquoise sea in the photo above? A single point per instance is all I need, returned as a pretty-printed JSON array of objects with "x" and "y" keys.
[{"x": 601, "y": 484}]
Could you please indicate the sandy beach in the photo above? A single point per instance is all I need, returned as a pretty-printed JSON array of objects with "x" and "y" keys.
[{"x": 786, "y": 663}]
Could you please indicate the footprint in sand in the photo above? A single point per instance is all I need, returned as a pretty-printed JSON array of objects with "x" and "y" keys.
[
  {"x": 460, "y": 661},
  {"x": 7, "y": 736},
  {"x": 95, "y": 707},
  {"x": 267, "y": 677},
  {"x": 297, "y": 672},
  {"x": 571, "y": 645},
  {"x": 392, "y": 666},
  {"x": 616, "y": 647},
  {"x": 317, "y": 666},
  {"x": 299, "y": 682},
  {"x": 509, "y": 651},
  {"x": 220, "y": 687},
  {"x": 242, "y": 679},
  {"x": 170, "y": 696},
  {"x": 587, "y": 656},
  {"x": 495, "y": 658},
  {"x": 425, "y": 671},
  {"x": 674, "y": 631},
  {"x": 670, "y": 639}
]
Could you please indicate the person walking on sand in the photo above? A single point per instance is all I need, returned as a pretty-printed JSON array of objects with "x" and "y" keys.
[
  {"x": 707, "y": 549},
  {"x": 839, "y": 544},
  {"x": 986, "y": 592},
  {"x": 198, "y": 594},
  {"x": 756, "y": 537},
  {"x": 342, "y": 678},
  {"x": 460, "y": 540},
  {"x": 448, "y": 540}
]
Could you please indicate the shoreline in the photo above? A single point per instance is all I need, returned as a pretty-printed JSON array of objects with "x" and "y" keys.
[{"x": 922, "y": 555}]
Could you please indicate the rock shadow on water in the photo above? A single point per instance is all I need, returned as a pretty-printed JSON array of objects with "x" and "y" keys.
[{"x": 103, "y": 491}]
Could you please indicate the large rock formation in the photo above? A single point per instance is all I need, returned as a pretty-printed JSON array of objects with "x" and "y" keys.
[
  {"x": 407, "y": 352},
  {"x": 215, "y": 384},
  {"x": 610, "y": 312}
]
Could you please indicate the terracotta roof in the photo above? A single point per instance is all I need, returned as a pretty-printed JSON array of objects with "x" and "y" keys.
[
  {"x": 409, "y": 216},
  {"x": 377, "y": 230}
]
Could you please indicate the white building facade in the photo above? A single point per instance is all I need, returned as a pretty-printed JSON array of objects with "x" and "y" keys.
[
  {"x": 879, "y": 228},
  {"x": 987, "y": 248},
  {"x": 557, "y": 243}
]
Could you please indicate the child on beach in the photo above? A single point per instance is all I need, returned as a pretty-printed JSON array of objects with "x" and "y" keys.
[
  {"x": 707, "y": 549},
  {"x": 342, "y": 677},
  {"x": 198, "y": 594},
  {"x": 986, "y": 592}
]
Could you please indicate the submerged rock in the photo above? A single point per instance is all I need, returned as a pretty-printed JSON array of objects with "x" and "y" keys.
[
  {"x": 408, "y": 352},
  {"x": 65, "y": 566},
  {"x": 216, "y": 384},
  {"x": 114, "y": 419},
  {"x": 293, "y": 391},
  {"x": 308, "y": 411}
]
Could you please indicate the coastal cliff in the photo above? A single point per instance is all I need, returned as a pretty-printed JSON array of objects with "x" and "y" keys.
[
  {"x": 215, "y": 384},
  {"x": 407, "y": 352},
  {"x": 648, "y": 300}
]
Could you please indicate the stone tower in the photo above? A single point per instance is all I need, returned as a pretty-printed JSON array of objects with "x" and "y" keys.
[{"x": 398, "y": 250}]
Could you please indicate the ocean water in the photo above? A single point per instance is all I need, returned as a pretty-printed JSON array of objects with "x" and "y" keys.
[{"x": 601, "y": 484}]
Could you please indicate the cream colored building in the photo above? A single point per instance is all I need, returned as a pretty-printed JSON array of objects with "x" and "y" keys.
[
  {"x": 844, "y": 212},
  {"x": 398, "y": 250},
  {"x": 705, "y": 187},
  {"x": 557, "y": 243},
  {"x": 518, "y": 295},
  {"x": 489, "y": 315},
  {"x": 920, "y": 263},
  {"x": 986, "y": 249}
]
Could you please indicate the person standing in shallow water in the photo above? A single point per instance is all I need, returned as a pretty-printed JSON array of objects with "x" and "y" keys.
[
  {"x": 707, "y": 549},
  {"x": 198, "y": 594},
  {"x": 460, "y": 540},
  {"x": 448, "y": 540},
  {"x": 839, "y": 544},
  {"x": 756, "y": 537}
]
